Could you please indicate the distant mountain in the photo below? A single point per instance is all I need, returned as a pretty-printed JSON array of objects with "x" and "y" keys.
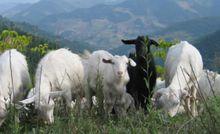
[
  {"x": 35, "y": 13},
  {"x": 103, "y": 25},
  {"x": 209, "y": 47},
  {"x": 41, "y": 36},
  {"x": 13, "y": 5},
  {"x": 191, "y": 29},
  {"x": 6, "y": 6},
  {"x": 15, "y": 9},
  {"x": 42, "y": 9}
]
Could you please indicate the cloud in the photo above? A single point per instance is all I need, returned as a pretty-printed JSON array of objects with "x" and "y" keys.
[{"x": 186, "y": 6}]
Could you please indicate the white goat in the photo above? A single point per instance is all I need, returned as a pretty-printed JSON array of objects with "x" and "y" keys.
[
  {"x": 113, "y": 73},
  {"x": 209, "y": 84},
  {"x": 183, "y": 66},
  {"x": 59, "y": 73},
  {"x": 14, "y": 79}
]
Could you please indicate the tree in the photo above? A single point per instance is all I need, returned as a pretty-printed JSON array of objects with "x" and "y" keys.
[
  {"x": 24, "y": 43},
  {"x": 11, "y": 39},
  {"x": 161, "y": 54}
]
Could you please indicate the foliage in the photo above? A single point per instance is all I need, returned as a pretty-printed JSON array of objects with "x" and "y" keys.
[
  {"x": 25, "y": 44},
  {"x": 41, "y": 49},
  {"x": 163, "y": 48},
  {"x": 160, "y": 54},
  {"x": 11, "y": 39}
]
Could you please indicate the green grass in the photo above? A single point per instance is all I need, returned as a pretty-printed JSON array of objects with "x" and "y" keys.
[{"x": 70, "y": 122}]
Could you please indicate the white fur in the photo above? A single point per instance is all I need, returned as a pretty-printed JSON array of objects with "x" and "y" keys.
[
  {"x": 209, "y": 83},
  {"x": 114, "y": 83},
  {"x": 21, "y": 79},
  {"x": 179, "y": 75},
  {"x": 60, "y": 70}
]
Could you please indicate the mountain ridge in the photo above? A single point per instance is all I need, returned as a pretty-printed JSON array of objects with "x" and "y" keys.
[
  {"x": 104, "y": 25},
  {"x": 28, "y": 29}
]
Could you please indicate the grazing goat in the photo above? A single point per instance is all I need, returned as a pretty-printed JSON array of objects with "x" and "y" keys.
[
  {"x": 113, "y": 72},
  {"x": 209, "y": 84},
  {"x": 14, "y": 79},
  {"x": 183, "y": 67},
  {"x": 59, "y": 73},
  {"x": 143, "y": 76}
]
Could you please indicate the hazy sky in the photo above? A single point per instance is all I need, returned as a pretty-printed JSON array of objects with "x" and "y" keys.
[
  {"x": 18, "y": 1},
  {"x": 32, "y": 1}
]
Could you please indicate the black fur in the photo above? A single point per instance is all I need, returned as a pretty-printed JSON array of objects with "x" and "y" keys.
[{"x": 143, "y": 76}]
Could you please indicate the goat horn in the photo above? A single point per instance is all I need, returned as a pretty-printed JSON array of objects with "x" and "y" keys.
[
  {"x": 153, "y": 42},
  {"x": 129, "y": 42}
]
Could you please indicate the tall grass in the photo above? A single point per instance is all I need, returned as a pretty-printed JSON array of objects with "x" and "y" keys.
[{"x": 154, "y": 122}]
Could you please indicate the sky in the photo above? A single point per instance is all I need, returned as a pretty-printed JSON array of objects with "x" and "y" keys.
[
  {"x": 33, "y": 1},
  {"x": 18, "y": 1}
]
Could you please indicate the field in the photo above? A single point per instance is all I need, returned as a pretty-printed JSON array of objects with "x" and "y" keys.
[{"x": 94, "y": 121}]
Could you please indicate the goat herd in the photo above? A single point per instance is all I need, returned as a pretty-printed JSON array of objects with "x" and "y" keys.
[{"x": 127, "y": 82}]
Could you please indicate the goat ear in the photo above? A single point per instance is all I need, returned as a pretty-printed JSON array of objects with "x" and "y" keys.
[
  {"x": 107, "y": 61},
  {"x": 131, "y": 62},
  {"x": 129, "y": 42},
  {"x": 28, "y": 101},
  {"x": 153, "y": 42}
]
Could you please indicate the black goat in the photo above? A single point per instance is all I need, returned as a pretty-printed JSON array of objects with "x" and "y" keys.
[{"x": 143, "y": 76}]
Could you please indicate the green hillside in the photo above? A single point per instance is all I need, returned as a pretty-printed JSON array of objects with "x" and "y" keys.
[
  {"x": 209, "y": 47},
  {"x": 190, "y": 30},
  {"x": 39, "y": 37},
  {"x": 103, "y": 25},
  {"x": 25, "y": 28}
]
